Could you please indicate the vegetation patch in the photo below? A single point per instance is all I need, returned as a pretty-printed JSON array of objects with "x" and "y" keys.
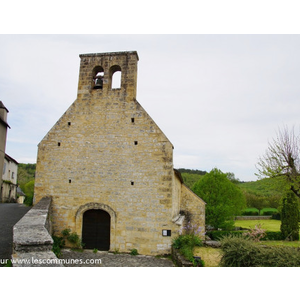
[
  {"x": 185, "y": 244},
  {"x": 73, "y": 238},
  {"x": 243, "y": 252},
  {"x": 210, "y": 256},
  {"x": 224, "y": 199},
  {"x": 134, "y": 252},
  {"x": 269, "y": 225}
]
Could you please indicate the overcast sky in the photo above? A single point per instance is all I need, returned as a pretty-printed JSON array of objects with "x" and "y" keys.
[{"x": 218, "y": 98}]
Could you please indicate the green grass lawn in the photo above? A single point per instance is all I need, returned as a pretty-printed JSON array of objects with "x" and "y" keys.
[
  {"x": 269, "y": 225},
  {"x": 281, "y": 243},
  {"x": 210, "y": 256}
]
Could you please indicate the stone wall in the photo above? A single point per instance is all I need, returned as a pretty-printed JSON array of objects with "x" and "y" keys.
[
  {"x": 253, "y": 217},
  {"x": 194, "y": 207},
  {"x": 32, "y": 241}
]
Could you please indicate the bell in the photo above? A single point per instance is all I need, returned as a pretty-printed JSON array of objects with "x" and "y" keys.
[{"x": 98, "y": 83}]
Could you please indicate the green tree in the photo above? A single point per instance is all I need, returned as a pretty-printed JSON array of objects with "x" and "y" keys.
[
  {"x": 29, "y": 190},
  {"x": 290, "y": 217},
  {"x": 256, "y": 201},
  {"x": 224, "y": 199}
]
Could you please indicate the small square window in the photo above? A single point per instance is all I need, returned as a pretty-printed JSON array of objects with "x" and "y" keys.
[
  {"x": 166, "y": 232},
  {"x": 135, "y": 142}
]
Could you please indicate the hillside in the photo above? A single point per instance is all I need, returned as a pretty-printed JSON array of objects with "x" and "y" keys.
[
  {"x": 264, "y": 187},
  {"x": 265, "y": 192},
  {"x": 190, "y": 177},
  {"x": 26, "y": 173}
]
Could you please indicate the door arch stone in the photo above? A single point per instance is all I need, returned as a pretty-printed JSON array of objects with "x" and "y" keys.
[{"x": 97, "y": 206}]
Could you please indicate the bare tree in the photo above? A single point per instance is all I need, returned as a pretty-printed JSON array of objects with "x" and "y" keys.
[{"x": 282, "y": 158}]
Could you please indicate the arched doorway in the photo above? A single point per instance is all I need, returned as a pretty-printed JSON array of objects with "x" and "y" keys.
[{"x": 96, "y": 229}]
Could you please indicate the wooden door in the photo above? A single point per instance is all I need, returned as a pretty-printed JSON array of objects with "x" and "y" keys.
[{"x": 96, "y": 229}]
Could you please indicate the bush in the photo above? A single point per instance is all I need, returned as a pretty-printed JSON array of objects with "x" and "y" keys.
[
  {"x": 250, "y": 212},
  {"x": 58, "y": 243},
  {"x": 134, "y": 252},
  {"x": 276, "y": 216},
  {"x": 242, "y": 252},
  {"x": 290, "y": 217},
  {"x": 256, "y": 233},
  {"x": 72, "y": 237},
  {"x": 272, "y": 236},
  {"x": 219, "y": 234},
  {"x": 186, "y": 244},
  {"x": 268, "y": 211}
]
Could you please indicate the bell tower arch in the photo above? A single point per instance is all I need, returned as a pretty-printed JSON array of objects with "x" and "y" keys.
[{"x": 98, "y": 70}]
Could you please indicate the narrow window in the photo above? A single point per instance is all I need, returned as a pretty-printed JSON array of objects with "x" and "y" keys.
[
  {"x": 116, "y": 80},
  {"x": 70, "y": 180},
  {"x": 12, "y": 175},
  {"x": 132, "y": 120},
  {"x": 58, "y": 144},
  {"x": 132, "y": 182},
  {"x": 69, "y": 123},
  {"x": 115, "y": 76},
  {"x": 135, "y": 142}
]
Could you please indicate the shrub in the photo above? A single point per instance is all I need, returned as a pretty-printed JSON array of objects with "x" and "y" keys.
[
  {"x": 72, "y": 237},
  {"x": 186, "y": 244},
  {"x": 250, "y": 212},
  {"x": 218, "y": 234},
  {"x": 269, "y": 235},
  {"x": 134, "y": 252},
  {"x": 290, "y": 217},
  {"x": 66, "y": 232},
  {"x": 58, "y": 243},
  {"x": 268, "y": 211},
  {"x": 276, "y": 216},
  {"x": 256, "y": 233},
  {"x": 272, "y": 236},
  {"x": 242, "y": 252}
]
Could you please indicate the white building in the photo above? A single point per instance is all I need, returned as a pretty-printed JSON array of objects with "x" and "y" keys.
[{"x": 9, "y": 180}]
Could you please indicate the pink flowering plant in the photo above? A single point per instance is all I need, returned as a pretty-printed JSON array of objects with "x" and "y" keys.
[{"x": 256, "y": 233}]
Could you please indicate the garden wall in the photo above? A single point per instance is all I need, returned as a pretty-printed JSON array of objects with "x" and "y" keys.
[
  {"x": 32, "y": 241},
  {"x": 253, "y": 218}
]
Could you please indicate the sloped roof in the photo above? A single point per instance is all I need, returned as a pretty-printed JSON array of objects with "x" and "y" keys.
[
  {"x": 2, "y": 106},
  {"x": 1, "y": 120},
  {"x": 10, "y": 159}
]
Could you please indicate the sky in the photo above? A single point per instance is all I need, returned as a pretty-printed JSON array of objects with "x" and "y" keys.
[{"x": 218, "y": 98}]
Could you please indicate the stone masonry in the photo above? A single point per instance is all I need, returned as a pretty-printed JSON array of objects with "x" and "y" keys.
[{"x": 106, "y": 153}]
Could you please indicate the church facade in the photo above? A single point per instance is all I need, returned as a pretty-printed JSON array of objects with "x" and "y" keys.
[{"x": 109, "y": 168}]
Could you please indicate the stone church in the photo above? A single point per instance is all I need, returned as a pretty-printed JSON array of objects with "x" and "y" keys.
[{"x": 109, "y": 168}]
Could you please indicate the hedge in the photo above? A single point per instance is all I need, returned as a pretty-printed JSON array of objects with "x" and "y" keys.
[
  {"x": 241, "y": 252},
  {"x": 268, "y": 211},
  {"x": 219, "y": 234},
  {"x": 250, "y": 212},
  {"x": 273, "y": 236}
]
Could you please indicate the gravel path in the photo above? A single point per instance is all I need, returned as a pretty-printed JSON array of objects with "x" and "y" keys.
[{"x": 88, "y": 258}]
